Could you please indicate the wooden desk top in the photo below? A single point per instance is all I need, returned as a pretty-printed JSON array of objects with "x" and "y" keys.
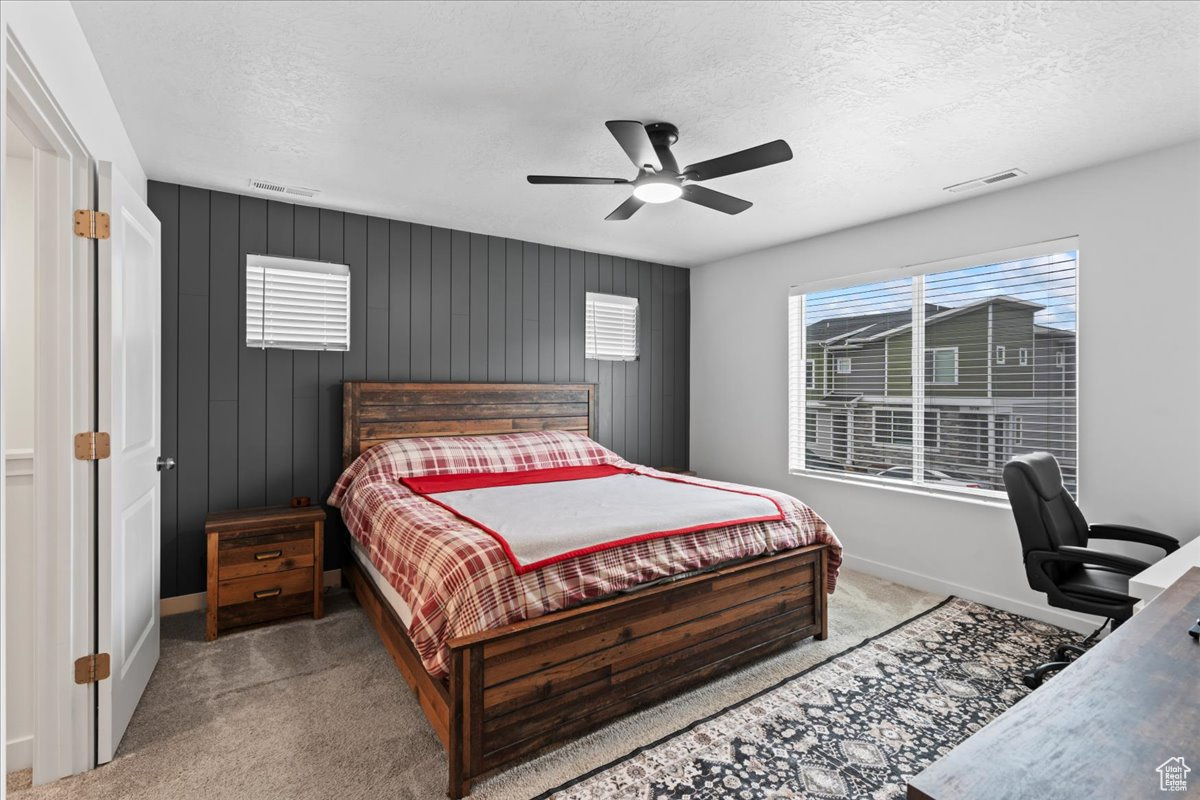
[{"x": 1098, "y": 729}]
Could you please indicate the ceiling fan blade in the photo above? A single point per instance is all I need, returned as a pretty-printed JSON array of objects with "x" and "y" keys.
[
  {"x": 715, "y": 200},
  {"x": 635, "y": 142},
  {"x": 561, "y": 179},
  {"x": 626, "y": 209},
  {"x": 742, "y": 161}
]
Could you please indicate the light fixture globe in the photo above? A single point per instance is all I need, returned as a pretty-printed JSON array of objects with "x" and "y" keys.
[{"x": 658, "y": 190}]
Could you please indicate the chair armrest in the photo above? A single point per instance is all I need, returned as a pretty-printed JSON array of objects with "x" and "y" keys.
[
  {"x": 1085, "y": 555},
  {"x": 1128, "y": 533}
]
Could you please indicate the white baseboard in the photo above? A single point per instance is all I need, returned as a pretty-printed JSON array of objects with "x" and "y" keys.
[
  {"x": 18, "y": 754},
  {"x": 1074, "y": 622},
  {"x": 185, "y": 603}
]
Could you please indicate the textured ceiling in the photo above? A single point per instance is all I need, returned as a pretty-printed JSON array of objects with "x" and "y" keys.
[{"x": 435, "y": 112}]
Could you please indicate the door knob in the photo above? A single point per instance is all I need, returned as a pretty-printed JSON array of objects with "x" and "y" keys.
[{"x": 165, "y": 463}]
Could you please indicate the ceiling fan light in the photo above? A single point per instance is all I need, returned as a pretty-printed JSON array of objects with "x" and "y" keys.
[{"x": 658, "y": 191}]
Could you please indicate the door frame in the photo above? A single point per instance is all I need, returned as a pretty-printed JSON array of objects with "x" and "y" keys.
[{"x": 65, "y": 488}]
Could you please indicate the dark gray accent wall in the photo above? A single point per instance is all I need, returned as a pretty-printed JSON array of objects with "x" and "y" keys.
[{"x": 253, "y": 427}]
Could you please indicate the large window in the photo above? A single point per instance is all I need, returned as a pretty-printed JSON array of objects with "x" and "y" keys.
[{"x": 957, "y": 367}]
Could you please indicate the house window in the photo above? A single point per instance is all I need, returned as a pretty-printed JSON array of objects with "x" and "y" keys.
[
  {"x": 943, "y": 364},
  {"x": 893, "y": 426},
  {"x": 810, "y": 380},
  {"x": 933, "y": 421},
  {"x": 294, "y": 304},
  {"x": 953, "y": 425},
  {"x": 611, "y": 327}
]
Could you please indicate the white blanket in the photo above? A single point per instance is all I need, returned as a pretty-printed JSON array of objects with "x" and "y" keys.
[{"x": 539, "y": 523}]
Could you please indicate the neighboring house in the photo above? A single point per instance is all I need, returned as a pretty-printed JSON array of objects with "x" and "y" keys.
[{"x": 997, "y": 384}]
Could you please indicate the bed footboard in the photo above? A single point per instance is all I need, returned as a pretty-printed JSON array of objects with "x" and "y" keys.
[{"x": 521, "y": 688}]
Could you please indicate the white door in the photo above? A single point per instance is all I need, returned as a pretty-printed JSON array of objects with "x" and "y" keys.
[{"x": 129, "y": 391}]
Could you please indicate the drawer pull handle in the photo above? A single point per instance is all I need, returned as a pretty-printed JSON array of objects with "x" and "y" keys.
[
  {"x": 263, "y": 594},
  {"x": 267, "y": 555}
]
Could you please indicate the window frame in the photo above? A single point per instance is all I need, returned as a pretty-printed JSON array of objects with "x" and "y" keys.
[
  {"x": 890, "y": 426},
  {"x": 837, "y": 365},
  {"x": 592, "y": 353},
  {"x": 918, "y": 486},
  {"x": 1023, "y": 357},
  {"x": 328, "y": 273},
  {"x": 933, "y": 351},
  {"x": 1001, "y": 355}
]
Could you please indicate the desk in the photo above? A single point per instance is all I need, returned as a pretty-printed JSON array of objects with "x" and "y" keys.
[
  {"x": 1100, "y": 728},
  {"x": 1148, "y": 583}
]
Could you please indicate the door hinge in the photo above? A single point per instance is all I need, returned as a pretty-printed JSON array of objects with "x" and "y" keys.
[
  {"x": 92, "y": 446},
  {"x": 93, "y": 668},
  {"x": 91, "y": 224}
]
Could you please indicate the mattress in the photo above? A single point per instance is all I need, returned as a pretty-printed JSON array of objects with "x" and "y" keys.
[{"x": 386, "y": 590}]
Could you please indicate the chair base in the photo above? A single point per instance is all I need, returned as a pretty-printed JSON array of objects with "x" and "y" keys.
[{"x": 1064, "y": 654}]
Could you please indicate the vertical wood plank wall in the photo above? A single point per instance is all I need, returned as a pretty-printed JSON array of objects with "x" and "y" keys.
[{"x": 253, "y": 427}]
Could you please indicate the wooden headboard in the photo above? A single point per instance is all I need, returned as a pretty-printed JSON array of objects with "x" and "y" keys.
[{"x": 375, "y": 412}]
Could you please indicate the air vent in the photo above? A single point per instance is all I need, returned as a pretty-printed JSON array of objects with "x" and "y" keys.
[
  {"x": 279, "y": 188},
  {"x": 979, "y": 183}
]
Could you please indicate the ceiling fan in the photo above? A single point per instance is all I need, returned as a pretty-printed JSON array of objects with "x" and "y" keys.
[{"x": 660, "y": 180}]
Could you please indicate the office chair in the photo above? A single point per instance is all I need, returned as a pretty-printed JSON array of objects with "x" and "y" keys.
[{"x": 1054, "y": 537}]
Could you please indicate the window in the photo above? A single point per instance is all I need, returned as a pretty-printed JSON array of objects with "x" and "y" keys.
[
  {"x": 612, "y": 327},
  {"x": 297, "y": 305},
  {"x": 893, "y": 426},
  {"x": 943, "y": 364},
  {"x": 925, "y": 407},
  {"x": 810, "y": 379}
]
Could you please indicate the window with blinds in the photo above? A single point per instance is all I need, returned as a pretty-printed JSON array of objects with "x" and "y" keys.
[
  {"x": 938, "y": 378},
  {"x": 297, "y": 305},
  {"x": 611, "y": 327}
]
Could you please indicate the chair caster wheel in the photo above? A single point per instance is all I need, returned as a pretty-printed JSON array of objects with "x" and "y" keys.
[{"x": 1032, "y": 680}]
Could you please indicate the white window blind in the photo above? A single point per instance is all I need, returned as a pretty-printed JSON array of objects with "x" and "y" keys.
[
  {"x": 612, "y": 327},
  {"x": 933, "y": 399},
  {"x": 297, "y": 305}
]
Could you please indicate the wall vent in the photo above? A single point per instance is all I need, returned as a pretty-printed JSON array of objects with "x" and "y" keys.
[
  {"x": 279, "y": 188},
  {"x": 979, "y": 183}
]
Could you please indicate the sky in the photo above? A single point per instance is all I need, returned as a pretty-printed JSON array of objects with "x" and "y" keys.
[{"x": 1047, "y": 280}]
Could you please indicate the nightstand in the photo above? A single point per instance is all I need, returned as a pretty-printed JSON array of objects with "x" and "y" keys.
[{"x": 264, "y": 564}]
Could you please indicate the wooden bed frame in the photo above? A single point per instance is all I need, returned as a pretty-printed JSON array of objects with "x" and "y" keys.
[{"x": 518, "y": 689}]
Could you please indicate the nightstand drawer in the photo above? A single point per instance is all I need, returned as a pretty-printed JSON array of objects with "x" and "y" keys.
[
  {"x": 263, "y": 555},
  {"x": 245, "y": 601}
]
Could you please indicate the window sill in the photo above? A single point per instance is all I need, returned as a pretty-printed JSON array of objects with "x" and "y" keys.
[{"x": 990, "y": 499}]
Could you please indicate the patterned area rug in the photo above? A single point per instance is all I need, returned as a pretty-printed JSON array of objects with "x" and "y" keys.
[{"x": 858, "y": 725}]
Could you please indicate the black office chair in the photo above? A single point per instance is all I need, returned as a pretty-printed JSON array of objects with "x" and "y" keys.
[{"x": 1054, "y": 537}]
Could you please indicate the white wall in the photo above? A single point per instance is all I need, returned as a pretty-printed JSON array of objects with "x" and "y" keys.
[
  {"x": 51, "y": 36},
  {"x": 1138, "y": 223},
  {"x": 18, "y": 420}
]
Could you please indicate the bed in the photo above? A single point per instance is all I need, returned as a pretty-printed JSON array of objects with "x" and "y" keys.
[{"x": 497, "y": 693}]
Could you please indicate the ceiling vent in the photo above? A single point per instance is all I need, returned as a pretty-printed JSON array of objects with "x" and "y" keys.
[
  {"x": 279, "y": 188},
  {"x": 979, "y": 183}
]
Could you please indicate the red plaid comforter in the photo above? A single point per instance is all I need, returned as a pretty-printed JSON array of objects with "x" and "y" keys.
[{"x": 457, "y": 580}]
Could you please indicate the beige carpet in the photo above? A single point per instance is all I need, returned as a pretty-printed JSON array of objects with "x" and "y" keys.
[{"x": 316, "y": 709}]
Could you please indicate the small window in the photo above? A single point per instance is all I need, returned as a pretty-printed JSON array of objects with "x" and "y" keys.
[
  {"x": 943, "y": 366},
  {"x": 612, "y": 327},
  {"x": 1000, "y": 354},
  {"x": 1060, "y": 359},
  {"x": 810, "y": 379},
  {"x": 1023, "y": 357},
  {"x": 842, "y": 366},
  {"x": 1018, "y": 430},
  {"x": 893, "y": 426},
  {"x": 294, "y": 304}
]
